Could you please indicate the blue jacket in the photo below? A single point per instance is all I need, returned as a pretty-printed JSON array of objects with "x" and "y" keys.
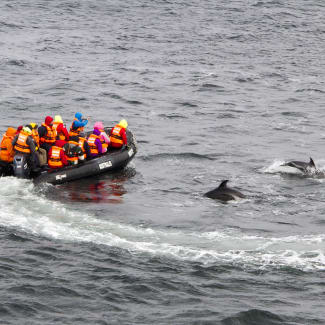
[{"x": 80, "y": 123}]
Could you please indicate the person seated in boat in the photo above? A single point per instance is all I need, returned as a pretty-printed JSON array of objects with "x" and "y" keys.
[
  {"x": 41, "y": 153},
  {"x": 118, "y": 135},
  {"x": 95, "y": 144},
  {"x": 57, "y": 157},
  {"x": 73, "y": 152},
  {"x": 78, "y": 125},
  {"x": 47, "y": 134},
  {"x": 34, "y": 127},
  {"x": 104, "y": 138},
  {"x": 61, "y": 131},
  {"x": 83, "y": 144},
  {"x": 24, "y": 143},
  {"x": 7, "y": 151},
  {"x": 20, "y": 127}
]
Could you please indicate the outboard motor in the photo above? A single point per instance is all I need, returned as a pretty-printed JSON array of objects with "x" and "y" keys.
[{"x": 21, "y": 164}]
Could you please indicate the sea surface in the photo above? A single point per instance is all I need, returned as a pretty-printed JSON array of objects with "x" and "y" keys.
[{"x": 212, "y": 90}]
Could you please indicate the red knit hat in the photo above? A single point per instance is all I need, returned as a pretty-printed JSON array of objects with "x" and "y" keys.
[
  {"x": 20, "y": 127},
  {"x": 48, "y": 120}
]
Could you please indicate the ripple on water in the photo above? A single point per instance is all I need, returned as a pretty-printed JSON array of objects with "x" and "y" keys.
[
  {"x": 184, "y": 155},
  {"x": 227, "y": 87}
]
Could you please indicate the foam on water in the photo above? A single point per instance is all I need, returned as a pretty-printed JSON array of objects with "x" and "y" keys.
[{"x": 25, "y": 208}]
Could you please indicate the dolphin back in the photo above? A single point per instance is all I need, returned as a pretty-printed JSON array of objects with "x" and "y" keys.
[
  {"x": 224, "y": 193},
  {"x": 223, "y": 184},
  {"x": 301, "y": 165}
]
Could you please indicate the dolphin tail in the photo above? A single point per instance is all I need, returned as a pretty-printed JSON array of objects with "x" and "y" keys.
[
  {"x": 223, "y": 184},
  {"x": 311, "y": 163}
]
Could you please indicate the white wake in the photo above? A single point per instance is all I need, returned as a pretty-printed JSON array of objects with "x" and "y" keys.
[{"x": 24, "y": 208}]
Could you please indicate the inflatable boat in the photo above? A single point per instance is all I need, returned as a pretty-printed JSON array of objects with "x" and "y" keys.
[{"x": 105, "y": 163}]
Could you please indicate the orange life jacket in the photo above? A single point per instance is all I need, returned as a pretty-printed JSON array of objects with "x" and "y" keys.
[
  {"x": 21, "y": 144},
  {"x": 54, "y": 160},
  {"x": 116, "y": 137},
  {"x": 91, "y": 140},
  {"x": 7, "y": 151},
  {"x": 72, "y": 157},
  {"x": 35, "y": 137},
  {"x": 73, "y": 160},
  {"x": 50, "y": 136},
  {"x": 81, "y": 145},
  {"x": 75, "y": 131}
]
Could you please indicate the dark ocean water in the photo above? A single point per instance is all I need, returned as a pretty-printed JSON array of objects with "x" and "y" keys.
[{"x": 212, "y": 90}]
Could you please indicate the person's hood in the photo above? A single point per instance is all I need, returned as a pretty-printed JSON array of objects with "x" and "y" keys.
[
  {"x": 99, "y": 125},
  {"x": 96, "y": 131},
  {"x": 123, "y": 123},
  {"x": 11, "y": 131},
  {"x": 48, "y": 120},
  {"x": 58, "y": 119},
  {"x": 59, "y": 128},
  {"x": 78, "y": 116}
]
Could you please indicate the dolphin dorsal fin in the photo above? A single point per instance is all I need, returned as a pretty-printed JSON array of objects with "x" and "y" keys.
[
  {"x": 223, "y": 184},
  {"x": 311, "y": 162}
]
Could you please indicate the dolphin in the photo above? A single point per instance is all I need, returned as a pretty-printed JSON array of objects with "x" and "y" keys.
[
  {"x": 224, "y": 193},
  {"x": 302, "y": 166}
]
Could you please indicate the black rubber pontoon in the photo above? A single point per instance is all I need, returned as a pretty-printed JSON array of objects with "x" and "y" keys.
[{"x": 110, "y": 161}]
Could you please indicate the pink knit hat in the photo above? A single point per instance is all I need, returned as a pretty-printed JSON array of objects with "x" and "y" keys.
[{"x": 99, "y": 126}]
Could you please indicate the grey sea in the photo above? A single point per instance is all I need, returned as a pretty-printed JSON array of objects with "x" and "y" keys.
[{"x": 212, "y": 90}]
